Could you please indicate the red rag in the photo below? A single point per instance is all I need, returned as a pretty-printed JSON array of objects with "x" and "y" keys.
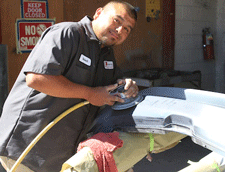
[{"x": 102, "y": 146}]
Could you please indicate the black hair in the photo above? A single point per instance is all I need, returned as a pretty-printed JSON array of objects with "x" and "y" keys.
[{"x": 129, "y": 8}]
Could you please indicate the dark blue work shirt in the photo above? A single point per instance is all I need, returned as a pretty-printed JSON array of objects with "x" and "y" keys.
[{"x": 70, "y": 49}]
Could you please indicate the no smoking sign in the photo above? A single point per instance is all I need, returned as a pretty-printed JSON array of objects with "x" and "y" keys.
[
  {"x": 41, "y": 28},
  {"x": 29, "y": 32}
]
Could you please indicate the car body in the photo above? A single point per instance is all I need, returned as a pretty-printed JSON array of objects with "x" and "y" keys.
[{"x": 196, "y": 113}]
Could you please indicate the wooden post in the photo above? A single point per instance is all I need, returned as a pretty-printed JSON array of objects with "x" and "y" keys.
[
  {"x": 168, "y": 33},
  {"x": 0, "y": 27}
]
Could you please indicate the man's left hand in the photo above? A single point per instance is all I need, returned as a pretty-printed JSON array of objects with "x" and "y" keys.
[{"x": 130, "y": 87}]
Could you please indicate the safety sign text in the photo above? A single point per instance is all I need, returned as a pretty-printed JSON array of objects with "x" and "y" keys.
[
  {"x": 29, "y": 32},
  {"x": 34, "y": 9}
]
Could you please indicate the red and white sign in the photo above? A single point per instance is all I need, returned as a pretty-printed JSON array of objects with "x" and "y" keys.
[
  {"x": 35, "y": 9},
  {"x": 29, "y": 32}
]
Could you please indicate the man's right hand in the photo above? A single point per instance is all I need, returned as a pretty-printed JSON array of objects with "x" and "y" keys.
[{"x": 100, "y": 96}]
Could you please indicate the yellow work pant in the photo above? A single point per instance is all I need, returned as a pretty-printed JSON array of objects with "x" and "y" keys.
[
  {"x": 8, "y": 163},
  {"x": 135, "y": 147}
]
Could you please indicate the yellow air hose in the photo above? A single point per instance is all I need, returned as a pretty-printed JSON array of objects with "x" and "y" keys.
[{"x": 42, "y": 133}]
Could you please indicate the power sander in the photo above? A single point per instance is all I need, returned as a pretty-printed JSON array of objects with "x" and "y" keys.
[{"x": 128, "y": 102}]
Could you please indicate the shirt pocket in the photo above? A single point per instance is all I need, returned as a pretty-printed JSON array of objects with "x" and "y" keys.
[{"x": 82, "y": 75}]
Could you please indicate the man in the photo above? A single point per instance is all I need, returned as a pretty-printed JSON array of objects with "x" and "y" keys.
[{"x": 72, "y": 62}]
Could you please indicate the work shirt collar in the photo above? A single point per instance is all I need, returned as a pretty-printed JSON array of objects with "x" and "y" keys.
[{"x": 86, "y": 22}]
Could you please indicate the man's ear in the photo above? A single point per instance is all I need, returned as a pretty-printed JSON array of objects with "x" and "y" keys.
[{"x": 97, "y": 13}]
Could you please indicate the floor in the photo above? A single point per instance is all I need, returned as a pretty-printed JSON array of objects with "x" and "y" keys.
[
  {"x": 171, "y": 160},
  {"x": 174, "y": 159}
]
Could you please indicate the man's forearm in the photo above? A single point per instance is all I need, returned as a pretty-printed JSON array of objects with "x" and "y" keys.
[
  {"x": 60, "y": 86},
  {"x": 57, "y": 86}
]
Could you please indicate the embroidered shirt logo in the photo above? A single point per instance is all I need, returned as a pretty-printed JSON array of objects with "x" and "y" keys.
[
  {"x": 85, "y": 60},
  {"x": 108, "y": 64}
]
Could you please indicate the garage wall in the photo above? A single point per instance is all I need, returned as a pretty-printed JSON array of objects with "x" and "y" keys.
[
  {"x": 143, "y": 49},
  {"x": 220, "y": 44},
  {"x": 191, "y": 17},
  {"x": 10, "y": 11}
]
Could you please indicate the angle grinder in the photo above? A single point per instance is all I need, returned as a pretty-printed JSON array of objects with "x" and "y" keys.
[{"x": 128, "y": 102}]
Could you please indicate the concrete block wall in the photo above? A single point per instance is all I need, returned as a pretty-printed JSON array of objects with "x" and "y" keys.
[
  {"x": 191, "y": 17},
  {"x": 220, "y": 50}
]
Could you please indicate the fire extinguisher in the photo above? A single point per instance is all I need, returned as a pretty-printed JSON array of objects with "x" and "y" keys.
[{"x": 208, "y": 49}]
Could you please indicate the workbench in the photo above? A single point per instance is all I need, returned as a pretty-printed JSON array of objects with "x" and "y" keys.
[{"x": 158, "y": 77}]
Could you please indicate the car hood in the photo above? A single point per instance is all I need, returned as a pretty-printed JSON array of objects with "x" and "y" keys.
[{"x": 196, "y": 113}]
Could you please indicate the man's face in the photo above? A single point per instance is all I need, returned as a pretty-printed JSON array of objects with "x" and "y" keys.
[{"x": 112, "y": 25}]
